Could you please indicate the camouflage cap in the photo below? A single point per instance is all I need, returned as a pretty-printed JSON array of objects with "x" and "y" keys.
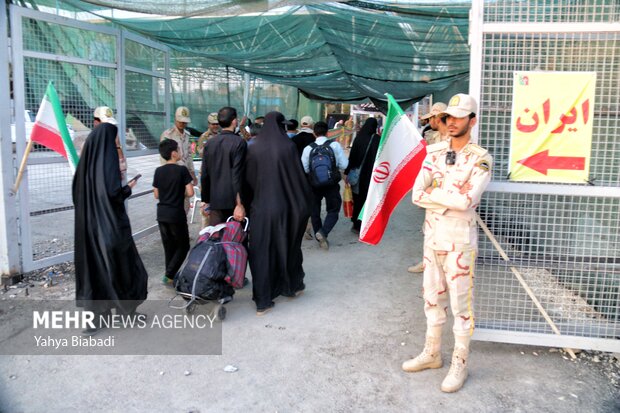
[
  {"x": 182, "y": 114},
  {"x": 105, "y": 115},
  {"x": 212, "y": 119}
]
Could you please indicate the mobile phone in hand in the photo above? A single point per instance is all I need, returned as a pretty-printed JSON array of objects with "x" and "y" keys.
[{"x": 135, "y": 178}]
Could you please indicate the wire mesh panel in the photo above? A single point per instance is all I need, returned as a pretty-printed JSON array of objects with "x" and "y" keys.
[
  {"x": 552, "y": 11},
  {"x": 567, "y": 249},
  {"x": 205, "y": 86},
  {"x": 80, "y": 63},
  {"x": 563, "y": 242},
  {"x": 145, "y": 94}
]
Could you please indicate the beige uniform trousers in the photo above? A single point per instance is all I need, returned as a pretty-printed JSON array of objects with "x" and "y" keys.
[{"x": 449, "y": 277}]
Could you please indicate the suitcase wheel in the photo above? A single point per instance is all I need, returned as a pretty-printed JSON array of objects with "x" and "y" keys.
[
  {"x": 221, "y": 313},
  {"x": 190, "y": 308}
]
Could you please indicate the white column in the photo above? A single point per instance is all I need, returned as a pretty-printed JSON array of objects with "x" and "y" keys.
[
  {"x": 9, "y": 243},
  {"x": 476, "y": 21}
]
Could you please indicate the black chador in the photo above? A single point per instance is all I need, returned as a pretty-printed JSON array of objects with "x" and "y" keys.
[
  {"x": 109, "y": 271},
  {"x": 278, "y": 199}
]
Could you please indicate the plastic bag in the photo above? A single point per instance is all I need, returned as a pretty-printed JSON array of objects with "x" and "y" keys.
[
  {"x": 347, "y": 201},
  {"x": 354, "y": 176}
]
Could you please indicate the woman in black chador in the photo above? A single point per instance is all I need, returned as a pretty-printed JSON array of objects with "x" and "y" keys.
[
  {"x": 278, "y": 198},
  {"x": 363, "y": 154},
  {"x": 109, "y": 271}
]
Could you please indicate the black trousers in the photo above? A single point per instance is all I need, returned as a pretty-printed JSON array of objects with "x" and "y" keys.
[
  {"x": 333, "y": 202},
  {"x": 175, "y": 237}
]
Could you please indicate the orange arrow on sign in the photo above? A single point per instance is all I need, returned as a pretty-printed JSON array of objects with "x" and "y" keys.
[{"x": 542, "y": 162}]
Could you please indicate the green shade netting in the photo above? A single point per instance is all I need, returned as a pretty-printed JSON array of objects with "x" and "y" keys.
[{"x": 330, "y": 51}]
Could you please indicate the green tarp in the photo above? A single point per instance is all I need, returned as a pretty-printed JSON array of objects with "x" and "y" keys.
[{"x": 330, "y": 51}]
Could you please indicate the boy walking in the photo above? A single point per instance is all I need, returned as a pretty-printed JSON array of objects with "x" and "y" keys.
[
  {"x": 322, "y": 161},
  {"x": 171, "y": 184}
]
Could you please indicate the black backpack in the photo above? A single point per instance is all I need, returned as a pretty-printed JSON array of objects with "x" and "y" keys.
[
  {"x": 203, "y": 272},
  {"x": 323, "y": 168}
]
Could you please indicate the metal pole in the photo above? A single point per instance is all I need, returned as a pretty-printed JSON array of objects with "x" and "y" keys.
[
  {"x": 246, "y": 94},
  {"x": 10, "y": 264},
  {"x": 227, "y": 86},
  {"x": 476, "y": 16}
]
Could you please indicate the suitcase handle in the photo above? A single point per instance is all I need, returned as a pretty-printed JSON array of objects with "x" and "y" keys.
[{"x": 247, "y": 222}]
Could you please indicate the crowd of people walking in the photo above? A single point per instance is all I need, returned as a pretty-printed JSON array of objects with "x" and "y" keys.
[
  {"x": 277, "y": 177},
  {"x": 276, "y": 174}
]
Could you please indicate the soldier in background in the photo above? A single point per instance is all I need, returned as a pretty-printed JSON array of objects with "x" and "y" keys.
[
  {"x": 214, "y": 129},
  {"x": 449, "y": 186},
  {"x": 179, "y": 134},
  {"x": 439, "y": 130},
  {"x": 104, "y": 114},
  {"x": 437, "y": 133}
]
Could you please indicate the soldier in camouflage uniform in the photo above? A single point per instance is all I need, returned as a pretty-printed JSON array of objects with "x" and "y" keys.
[
  {"x": 179, "y": 134},
  {"x": 437, "y": 133},
  {"x": 449, "y": 186},
  {"x": 214, "y": 129}
]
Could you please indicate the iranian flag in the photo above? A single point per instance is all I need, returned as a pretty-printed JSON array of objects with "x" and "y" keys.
[
  {"x": 50, "y": 128},
  {"x": 399, "y": 159}
]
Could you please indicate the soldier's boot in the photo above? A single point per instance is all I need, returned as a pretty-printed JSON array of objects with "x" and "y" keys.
[
  {"x": 430, "y": 358},
  {"x": 458, "y": 368}
]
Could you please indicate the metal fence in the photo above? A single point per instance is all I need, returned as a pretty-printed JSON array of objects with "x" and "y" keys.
[
  {"x": 563, "y": 241},
  {"x": 91, "y": 65},
  {"x": 141, "y": 80}
]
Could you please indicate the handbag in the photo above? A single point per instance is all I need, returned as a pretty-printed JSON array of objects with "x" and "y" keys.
[{"x": 354, "y": 174}]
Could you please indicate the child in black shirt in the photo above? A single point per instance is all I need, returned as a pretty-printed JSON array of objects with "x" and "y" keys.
[{"x": 171, "y": 184}]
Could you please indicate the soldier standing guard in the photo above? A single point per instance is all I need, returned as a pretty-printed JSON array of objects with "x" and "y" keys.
[
  {"x": 179, "y": 134},
  {"x": 449, "y": 186}
]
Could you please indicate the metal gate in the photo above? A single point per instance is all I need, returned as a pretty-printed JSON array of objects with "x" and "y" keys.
[
  {"x": 91, "y": 65},
  {"x": 562, "y": 284}
]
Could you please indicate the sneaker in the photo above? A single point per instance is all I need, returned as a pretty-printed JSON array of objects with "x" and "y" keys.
[
  {"x": 322, "y": 239},
  {"x": 168, "y": 282},
  {"x": 308, "y": 234},
  {"x": 418, "y": 268}
]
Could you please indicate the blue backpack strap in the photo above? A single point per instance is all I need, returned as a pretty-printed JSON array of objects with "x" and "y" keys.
[
  {"x": 313, "y": 147},
  {"x": 332, "y": 155}
]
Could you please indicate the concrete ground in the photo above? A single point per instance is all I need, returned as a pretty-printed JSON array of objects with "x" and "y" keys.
[{"x": 337, "y": 348}]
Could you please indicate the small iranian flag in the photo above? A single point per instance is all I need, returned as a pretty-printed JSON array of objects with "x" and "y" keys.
[
  {"x": 399, "y": 159},
  {"x": 50, "y": 129}
]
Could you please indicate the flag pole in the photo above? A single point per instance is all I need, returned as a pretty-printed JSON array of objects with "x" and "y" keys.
[{"x": 22, "y": 166}]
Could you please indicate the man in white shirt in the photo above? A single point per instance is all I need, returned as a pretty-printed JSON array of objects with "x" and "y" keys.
[{"x": 324, "y": 174}]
